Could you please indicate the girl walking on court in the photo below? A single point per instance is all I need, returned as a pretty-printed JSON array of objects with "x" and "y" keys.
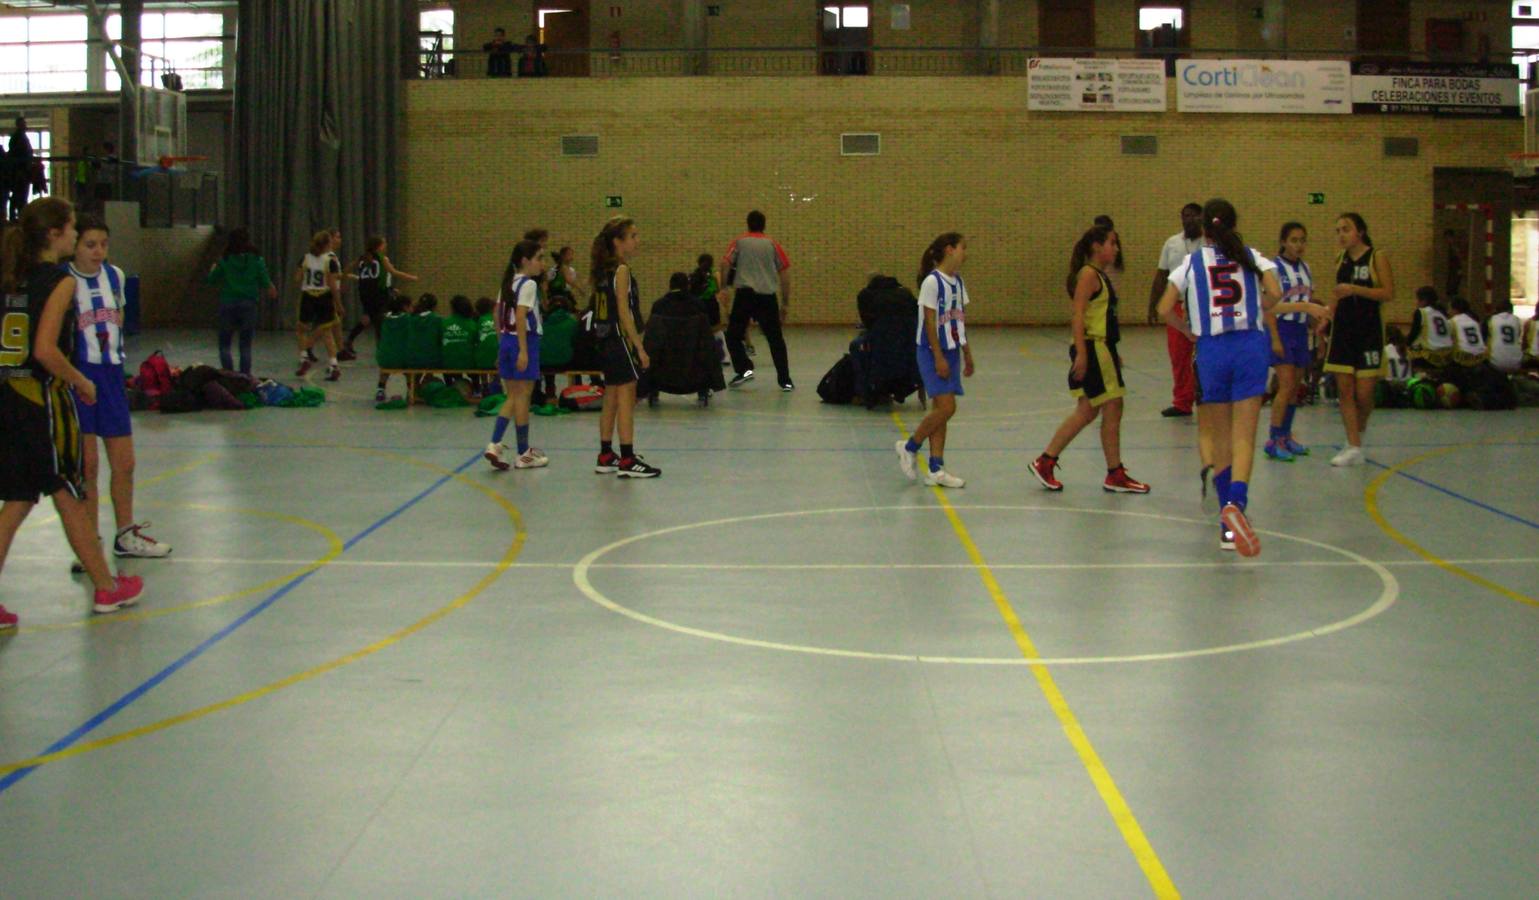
[
  {"x": 1355, "y": 354},
  {"x": 519, "y": 326},
  {"x": 1228, "y": 289},
  {"x": 1095, "y": 369},
  {"x": 1293, "y": 358},
  {"x": 99, "y": 303},
  {"x": 616, "y": 325},
  {"x": 376, "y": 276},
  {"x": 942, "y": 352},
  {"x": 320, "y": 283},
  {"x": 40, "y": 443}
]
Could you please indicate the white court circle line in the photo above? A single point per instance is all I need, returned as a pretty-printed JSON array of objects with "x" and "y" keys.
[{"x": 1387, "y": 596}]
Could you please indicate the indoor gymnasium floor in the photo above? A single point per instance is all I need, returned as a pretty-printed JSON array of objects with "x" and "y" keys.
[{"x": 374, "y": 667}]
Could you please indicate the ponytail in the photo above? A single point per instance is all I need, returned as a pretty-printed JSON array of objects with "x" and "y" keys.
[
  {"x": 936, "y": 252},
  {"x": 1218, "y": 222},
  {"x": 602, "y": 259},
  {"x": 523, "y": 251},
  {"x": 26, "y": 240},
  {"x": 1080, "y": 258}
]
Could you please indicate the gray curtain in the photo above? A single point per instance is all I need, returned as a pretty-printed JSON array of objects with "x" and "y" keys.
[{"x": 317, "y": 114}]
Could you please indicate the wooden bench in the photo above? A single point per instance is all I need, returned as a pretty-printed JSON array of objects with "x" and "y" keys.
[{"x": 414, "y": 376}]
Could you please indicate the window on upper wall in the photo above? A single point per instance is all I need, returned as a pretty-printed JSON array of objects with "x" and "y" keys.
[
  {"x": 42, "y": 54},
  {"x": 1162, "y": 29},
  {"x": 435, "y": 42},
  {"x": 188, "y": 43}
]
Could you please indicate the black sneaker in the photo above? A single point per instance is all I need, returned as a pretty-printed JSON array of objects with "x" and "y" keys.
[
  {"x": 788, "y": 387},
  {"x": 741, "y": 379},
  {"x": 607, "y": 464},
  {"x": 1225, "y": 537},
  {"x": 379, "y": 395},
  {"x": 1172, "y": 412},
  {"x": 636, "y": 467}
]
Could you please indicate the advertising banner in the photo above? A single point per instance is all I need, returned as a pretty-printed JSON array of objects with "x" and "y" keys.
[
  {"x": 1107, "y": 85},
  {"x": 1263, "y": 86},
  {"x": 1470, "y": 91}
]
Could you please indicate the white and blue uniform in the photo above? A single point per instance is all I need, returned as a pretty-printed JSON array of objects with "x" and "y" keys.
[
  {"x": 947, "y": 296},
  {"x": 99, "y": 350},
  {"x": 1223, "y": 307},
  {"x": 1293, "y": 328},
  {"x": 525, "y": 293}
]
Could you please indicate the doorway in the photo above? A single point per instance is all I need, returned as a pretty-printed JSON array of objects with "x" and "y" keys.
[
  {"x": 564, "y": 32},
  {"x": 844, "y": 39}
]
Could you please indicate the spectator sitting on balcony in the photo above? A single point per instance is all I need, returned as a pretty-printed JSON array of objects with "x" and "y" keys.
[
  {"x": 531, "y": 58},
  {"x": 499, "y": 56}
]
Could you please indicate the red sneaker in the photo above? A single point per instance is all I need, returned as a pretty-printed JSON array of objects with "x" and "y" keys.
[
  {"x": 304, "y": 366},
  {"x": 334, "y": 373},
  {"x": 1043, "y": 467},
  {"x": 1245, "y": 540},
  {"x": 347, "y": 355},
  {"x": 1118, "y": 481},
  {"x": 8, "y": 619},
  {"x": 124, "y": 593},
  {"x": 607, "y": 464}
]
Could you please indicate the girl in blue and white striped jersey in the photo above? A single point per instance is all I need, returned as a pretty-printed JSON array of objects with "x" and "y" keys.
[
  {"x": 99, "y": 301},
  {"x": 942, "y": 352},
  {"x": 1228, "y": 289},
  {"x": 1290, "y": 352}
]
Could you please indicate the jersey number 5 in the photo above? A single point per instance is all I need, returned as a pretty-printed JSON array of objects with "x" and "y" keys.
[
  {"x": 1226, "y": 291},
  {"x": 15, "y": 338}
]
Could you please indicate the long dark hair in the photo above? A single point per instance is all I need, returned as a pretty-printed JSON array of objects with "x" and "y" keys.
[
  {"x": 371, "y": 248},
  {"x": 524, "y": 250},
  {"x": 1111, "y": 226},
  {"x": 1080, "y": 258},
  {"x": 936, "y": 252},
  {"x": 603, "y": 260},
  {"x": 24, "y": 242},
  {"x": 1218, "y": 222},
  {"x": 1287, "y": 229},
  {"x": 1362, "y": 227}
]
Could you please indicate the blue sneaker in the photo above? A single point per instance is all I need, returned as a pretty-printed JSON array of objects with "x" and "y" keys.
[
  {"x": 1278, "y": 451},
  {"x": 1295, "y": 447}
]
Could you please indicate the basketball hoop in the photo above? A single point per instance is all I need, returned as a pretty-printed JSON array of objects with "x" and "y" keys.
[
  {"x": 167, "y": 162},
  {"x": 1523, "y": 165}
]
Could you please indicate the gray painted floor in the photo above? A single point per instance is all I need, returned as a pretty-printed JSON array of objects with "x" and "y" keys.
[{"x": 374, "y": 667}]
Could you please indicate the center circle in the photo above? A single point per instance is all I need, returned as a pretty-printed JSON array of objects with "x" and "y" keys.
[{"x": 1390, "y": 591}]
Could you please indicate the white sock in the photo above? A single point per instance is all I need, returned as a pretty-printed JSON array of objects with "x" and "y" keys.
[{"x": 333, "y": 362}]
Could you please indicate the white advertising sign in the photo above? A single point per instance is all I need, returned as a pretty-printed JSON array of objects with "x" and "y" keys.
[
  {"x": 1108, "y": 85},
  {"x": 1263, "y": 86}
]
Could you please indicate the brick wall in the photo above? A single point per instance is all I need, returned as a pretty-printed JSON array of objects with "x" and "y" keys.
[{"x": 690, "y": 156}]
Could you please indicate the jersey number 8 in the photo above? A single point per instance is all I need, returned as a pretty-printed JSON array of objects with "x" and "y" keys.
[
  {"x": 1441, "y": 327},
  {"x": 15, "y": 338}
]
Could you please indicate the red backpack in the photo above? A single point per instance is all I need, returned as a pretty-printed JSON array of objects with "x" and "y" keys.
[{"x": 154, "y": 375}]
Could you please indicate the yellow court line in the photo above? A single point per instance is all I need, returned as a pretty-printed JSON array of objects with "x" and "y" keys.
[
  {"x": 506, "y": 562},
  {"x": 334, "y": 550},
  {"x": 1116, "y": 804},
  {"x": 1371, "y": 504},
  {"x": 203, "y": 460}
]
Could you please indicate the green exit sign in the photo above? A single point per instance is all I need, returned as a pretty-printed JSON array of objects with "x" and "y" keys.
[
  {"x": 613, "y": 201},
  {"x": 1317, "y": 199}
]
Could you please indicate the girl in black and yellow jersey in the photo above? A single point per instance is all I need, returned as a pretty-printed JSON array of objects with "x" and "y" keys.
[
  {"x": 1095, "y": 373},
  {"x": 617, "y": 327},
  {"x": 1355, "y": 354},
  {"x": 41, "y": 449}
]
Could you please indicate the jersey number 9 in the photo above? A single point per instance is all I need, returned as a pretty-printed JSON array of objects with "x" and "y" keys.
[
  {"x": 1509, "y": 334},
  {"x": 15, "y": 338}
]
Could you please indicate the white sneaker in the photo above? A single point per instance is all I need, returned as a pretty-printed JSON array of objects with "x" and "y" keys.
[
  {"x": 495, "y": 454},
  {"x": 906, "y": 460},
  {"x": 132, "y": 541},
  {"x": 943, "y": 479},
  {"x": 1349, "y": 456},
  {"x": 532, "y": 458}
]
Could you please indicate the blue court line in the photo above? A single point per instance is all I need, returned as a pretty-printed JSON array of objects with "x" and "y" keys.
[
  {"x": 155, "y": 680},
  {"x": 1458, "y": 496}
]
